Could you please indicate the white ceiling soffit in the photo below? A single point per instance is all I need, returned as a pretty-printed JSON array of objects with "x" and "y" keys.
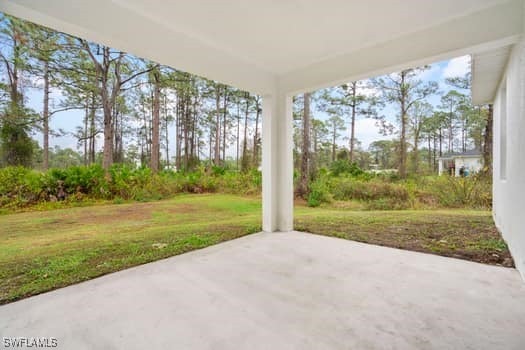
[
  {"x": 291, "y": 45},
  {"x": 487, "y": 71}
]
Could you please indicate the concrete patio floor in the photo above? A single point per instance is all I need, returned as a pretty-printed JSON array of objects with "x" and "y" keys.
[{"x": 284, "y": 291}]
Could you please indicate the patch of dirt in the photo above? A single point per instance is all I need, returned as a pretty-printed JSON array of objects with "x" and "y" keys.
[
  {"x": 299, "y": 201},
  {"x": 117, "y": 213},
  {"x": 106, "y": 215},
  {"x": 463, "y": 237},
  {"x": 182, "y": 209}
]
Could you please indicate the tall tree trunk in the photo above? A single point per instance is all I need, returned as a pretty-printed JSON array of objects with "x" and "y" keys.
[
  {"x": 86, "y": 133},
  {"x": 45, "y": 116},
  {"x": 107, "y": 160},
  {"x": 116, "y": 136},
  {"x": 451, "y": 132},
  {"x": 194, "y": 139},
  {"x": 434, "y": 155},
  {"x": 155, "y": 129},
  {"x": 402, "y": 141},
  {"x": 315, "y": 141},
  {"x": 440, "y": 142},
  {"x": 178, "y": 123},
  {"x": 334, "y": 137},
  {"x": 305, "y": 156},
  {"x": 210, "y": 144},
  {"x": 352, "y": 122},
  {"x": 187, "y": 127},
  {"x": 93, "y": 130},
  {"x": 224, "y": 123},
  {"x": 146, "y": 136},
  {"x": 416, "y": 153},
  {"x": 244, "y": 162},
  {"x": 107, "y": 106},
  {"x": 429, "y": 154},
  {"x": 217, "y": 125},
  {"x": 166, "y": 135},
  {"x": 487, "y": 140},
  {"x": 256, "y": 135},
  {"x": 463, "y": 136},
  {"x": 238, "y": 131}
]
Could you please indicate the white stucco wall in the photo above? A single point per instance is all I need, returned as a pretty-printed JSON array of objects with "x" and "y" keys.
[{"x": 509, "y": 143}]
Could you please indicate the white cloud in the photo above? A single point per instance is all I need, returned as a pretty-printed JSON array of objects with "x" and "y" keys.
[
  {"x": 429, "y": 73},
  {"x": 368, "y": 132},
  {"x": 457, "y": 67},
  {"x": 369, "y": 91}
]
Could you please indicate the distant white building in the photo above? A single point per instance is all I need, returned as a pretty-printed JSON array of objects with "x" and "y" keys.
[{"x": 471, "y": 161}]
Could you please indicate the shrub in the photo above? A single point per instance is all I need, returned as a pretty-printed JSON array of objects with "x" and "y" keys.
[
  {"x": 340, "y": 167},
  {"x": 349, "y": 189},
  {"x": 473, "y": 191},
  {"x": 20, "y": 187},
  {"x": 319, "y": 192}
]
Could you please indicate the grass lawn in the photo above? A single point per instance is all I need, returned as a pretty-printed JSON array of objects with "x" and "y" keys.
[{"x": 41, "y": 251}]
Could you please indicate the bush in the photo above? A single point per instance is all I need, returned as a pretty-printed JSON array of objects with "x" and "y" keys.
[
  {"x": 20, "y": 187},
  {"x": 349, "y": 189},
  {"x": 319, "y": 192},
  {"x": 473, "y": 191},
  {"x": 344, "y": 167}
]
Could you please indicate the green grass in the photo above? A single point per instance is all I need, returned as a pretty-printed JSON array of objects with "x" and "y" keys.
[
  {"x": 44, "y": 250},
  {"x": 464, "y": 234},
  {"x": 40, "y": 251}
]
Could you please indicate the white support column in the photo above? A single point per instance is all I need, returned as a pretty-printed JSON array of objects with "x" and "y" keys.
[{"x": 277, "y": 163}]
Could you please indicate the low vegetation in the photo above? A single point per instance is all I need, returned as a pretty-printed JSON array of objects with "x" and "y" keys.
[
  {"x": 25, "y": 188},
  {"x": 463, "y": 234},
  {"x": 22, "y": 188},
  {"x": 388, "y": 192},
  {"x": 39, "y": 252}
]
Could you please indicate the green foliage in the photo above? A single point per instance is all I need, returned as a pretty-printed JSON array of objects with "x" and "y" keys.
[
  {"x": 455, "y": 192},
  {"x": 348, "y": 189},
  {"x": 388, "y": 192},
  {"x": 21, "y": 187},
  {"x": 319, "y": 192},
  {"x": 340, "y": 167},
  {"x": 79, "y": 179},
  {"x": 217, "y": 170},
  {"x": 18, "y": 186},
  {"x": 16, "y": 145}
]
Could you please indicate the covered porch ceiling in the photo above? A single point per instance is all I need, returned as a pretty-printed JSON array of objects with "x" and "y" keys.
[
  {"x": 288, "y": 46},
  {"x": 487, "y": 71}
]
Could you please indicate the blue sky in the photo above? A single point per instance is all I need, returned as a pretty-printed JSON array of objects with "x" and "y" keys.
[{"x": 366, "y": 130}]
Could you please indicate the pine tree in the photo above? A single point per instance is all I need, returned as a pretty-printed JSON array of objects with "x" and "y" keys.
[{"x": 404, "y": 89}]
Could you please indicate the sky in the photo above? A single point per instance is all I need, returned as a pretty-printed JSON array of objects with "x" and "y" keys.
[{"x": 366, "y": 130}]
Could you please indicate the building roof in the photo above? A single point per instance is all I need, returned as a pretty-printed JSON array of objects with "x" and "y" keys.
[
  {"x": 471, "y": 153},
  {"x": 288, "y": 46}
]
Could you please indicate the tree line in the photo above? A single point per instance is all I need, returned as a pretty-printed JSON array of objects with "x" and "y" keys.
[
  {"x": 129, "y": 105},
  {"x": 420, "y": 133},
  {"x": 136, "y": 111}
]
